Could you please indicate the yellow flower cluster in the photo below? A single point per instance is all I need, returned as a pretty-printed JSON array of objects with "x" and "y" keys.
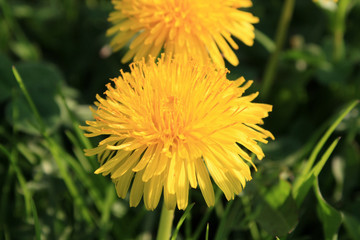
[{"x": 176, "y": 122}]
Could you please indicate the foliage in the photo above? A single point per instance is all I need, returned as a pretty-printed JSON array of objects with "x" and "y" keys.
[{"x": 307, "y": 186}]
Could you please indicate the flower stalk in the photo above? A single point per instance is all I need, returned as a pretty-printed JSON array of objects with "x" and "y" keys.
[
  {"x": 282, "y": 29},
  {"x": 166, "y": 220},
  {"x": 339, "y": 30}
]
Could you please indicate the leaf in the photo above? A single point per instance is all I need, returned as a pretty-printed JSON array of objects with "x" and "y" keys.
[
  {"x": 352, "y": 225},
  {"x": 278, "y": 221},
  {"x": 329, "y": 216},
  {"x": 278, "y": 194},
  {"x": 337, "y": 73}
]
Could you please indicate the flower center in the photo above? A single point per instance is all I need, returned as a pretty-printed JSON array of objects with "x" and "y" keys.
[
  {"x": 169, "y": 103},
  {"x": 171, "y": 123}
]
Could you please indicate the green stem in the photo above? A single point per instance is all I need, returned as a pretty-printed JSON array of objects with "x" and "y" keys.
[
  {"x": 271, "y": 67},
  {"x": 264, "y": 40},
  {"x": 339, "y": 30},
  {"x": 166, "y": 220}
]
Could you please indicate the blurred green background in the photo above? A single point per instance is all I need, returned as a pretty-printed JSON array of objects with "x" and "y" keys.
[{"x": 305, "y": 188}]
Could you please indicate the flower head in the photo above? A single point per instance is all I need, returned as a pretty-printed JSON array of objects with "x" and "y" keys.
[
  {"x": 170, "y": 125},
  {"x": 200, "y": 28}
]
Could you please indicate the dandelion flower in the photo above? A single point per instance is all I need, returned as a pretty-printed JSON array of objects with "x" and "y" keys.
[
  {"x": 196, "y": 28},
  {"x": 170, "y": 124}
]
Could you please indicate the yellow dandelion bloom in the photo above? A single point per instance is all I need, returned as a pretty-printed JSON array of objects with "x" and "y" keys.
[
  {"x": 170, "y": 125},
  {"x": 196, "y": 28}
]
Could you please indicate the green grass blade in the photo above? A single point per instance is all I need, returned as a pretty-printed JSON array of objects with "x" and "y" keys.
[
  {"x": 79, "y": 133},
  {"x": 5, "y": 197},
  {"x": 304, "y": 183},
  {"x": 326, "y": 136},
  {"x": 21, "y": 179},
  {"x": 306, "y": 177},
  {"x": 182, "y": 219},
  {"x": 207, "y": 232},
  {"x": 188, "y": 225},
  {"x": 26, "y": 153},
  {"x": 105, "y": 224},
  {"x": 85, "y": 179},
  {"x": 30, "y": 101},
  {"x": 79, "y": 153},
  {"x": 222, "y": 229},
  {"x": 29, "y": 202},
  {"x": 36, "y": 221},
  {"x": 70, "y": 184},
  {"x": 319, "y": 166},
  {"x": 55, "y": 151}
]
